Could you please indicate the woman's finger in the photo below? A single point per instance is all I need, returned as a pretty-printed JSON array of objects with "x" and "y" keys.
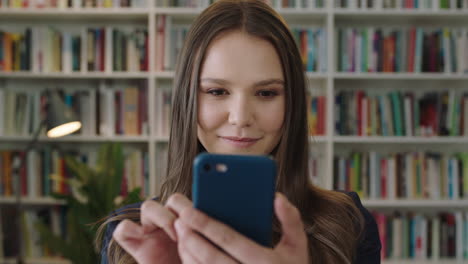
[
  {"x": 178, "y": 202},
  {"x": 185, "y": 255},
  {"x": 291, "y": 223},
  {"x": 154, "y": 215},
  {"x": 128, "y": 234},
  {"x": 238, "y": 246},
  {"x": 198, "y": 247}
]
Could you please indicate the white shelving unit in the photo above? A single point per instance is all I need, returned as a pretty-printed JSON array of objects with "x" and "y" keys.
[{"x": 327, "y": 83}]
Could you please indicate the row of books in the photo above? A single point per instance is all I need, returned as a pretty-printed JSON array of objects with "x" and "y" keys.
[
  {"x": 414, "y": 49},
  {"x": 71, "y": 3},
  {"x": 184, "y": 3},
  {"x": 418, "y": 236},
  {"x": 410, "y": 175},
  {"x": 316, "y": 114},
  {"x": 170, "y": 38},
  {"x": 312, "y": 43},
  {"x": 105, "y": 111},
  {"x": 273, "y": 3},
  {"x": 296, "y": 3},
  {"x": 32, "y": 246},
  {"x": 403, "y": 4},
  {"x": 50, "y": 49},
  {"x": 399, "y": 113},
  {"x": 45, "y": 171}
]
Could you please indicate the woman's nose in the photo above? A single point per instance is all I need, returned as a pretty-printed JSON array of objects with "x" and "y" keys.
[{"x": 240, "y": 112}]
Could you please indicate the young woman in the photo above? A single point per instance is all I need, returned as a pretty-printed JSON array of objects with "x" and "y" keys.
[{"x": 240, "y": 89}]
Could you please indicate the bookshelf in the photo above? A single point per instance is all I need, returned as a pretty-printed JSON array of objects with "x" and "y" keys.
[{"x": 321, "y": 83}]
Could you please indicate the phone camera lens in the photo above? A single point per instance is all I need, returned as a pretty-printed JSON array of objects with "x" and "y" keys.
[{"x": 207, "y": 167}]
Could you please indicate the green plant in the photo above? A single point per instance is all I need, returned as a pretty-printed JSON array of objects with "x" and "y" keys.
[{"x": 93, "y": 196}]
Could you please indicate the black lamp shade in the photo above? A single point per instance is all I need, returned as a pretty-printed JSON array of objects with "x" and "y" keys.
[{"x": 61, "y": 120}]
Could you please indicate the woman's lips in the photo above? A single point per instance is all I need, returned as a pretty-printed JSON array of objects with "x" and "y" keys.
[{"x": 240, "y": 142}]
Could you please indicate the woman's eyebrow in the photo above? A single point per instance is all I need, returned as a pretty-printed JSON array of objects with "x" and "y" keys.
[
  {"x": 259, "y": 83},
  {"x": 268, "y": 82}
]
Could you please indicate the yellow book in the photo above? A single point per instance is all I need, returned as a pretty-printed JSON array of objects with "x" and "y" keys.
[
  {"x": 8, "y": 49},
  {"x": 16, "y": 42},
  {"x": 107, "y": 3},
  {"x": 57, "y": 52},
  {"x": 130, "y": 111},
  {"x": 17, "y": 3}
]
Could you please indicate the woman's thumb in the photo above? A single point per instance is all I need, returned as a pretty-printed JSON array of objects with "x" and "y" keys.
[{"x": 291, "y": 223}]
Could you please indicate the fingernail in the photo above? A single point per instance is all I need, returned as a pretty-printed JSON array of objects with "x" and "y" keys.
[
  {"x": 178, "y": 225},
  {"x": 173, "y": 234}
]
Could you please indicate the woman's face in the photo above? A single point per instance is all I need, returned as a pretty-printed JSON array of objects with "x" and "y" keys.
[{"x": 241, "y": 97}]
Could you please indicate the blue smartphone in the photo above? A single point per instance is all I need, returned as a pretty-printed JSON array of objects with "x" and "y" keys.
[{"x": 238, "y": 191}]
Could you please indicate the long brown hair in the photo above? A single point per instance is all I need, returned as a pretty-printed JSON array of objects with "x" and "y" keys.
[{"x": 327, "y": 215}]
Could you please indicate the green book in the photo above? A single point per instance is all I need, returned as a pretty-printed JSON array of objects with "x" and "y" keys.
[
  {"x": 405, "y": 242},
  {"x": 364, "y": 52},
  {"x": 456, "y": 113},
  {"x": 464, "y": 159},
  {"x": 396, "y": 109}
]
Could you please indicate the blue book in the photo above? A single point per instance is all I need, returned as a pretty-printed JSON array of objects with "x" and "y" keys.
[
  {"x": 419, "y": 50},
  {"x": 311, "y": 51},
  {"x": 450, "y": 179},
  {"x": 412, "y": 240}
]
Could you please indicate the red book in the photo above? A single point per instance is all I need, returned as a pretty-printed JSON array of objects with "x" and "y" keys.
[
  {"x": 369, "y": 117},
  {"x": 411, "y": 49},
  {"x": 392, "y": 45},
  {"x": 380, "y": 218},
  {"x": 145, "y": 66}
]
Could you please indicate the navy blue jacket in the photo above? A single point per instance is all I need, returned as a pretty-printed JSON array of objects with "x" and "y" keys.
[{"x": 368, "y": 251}]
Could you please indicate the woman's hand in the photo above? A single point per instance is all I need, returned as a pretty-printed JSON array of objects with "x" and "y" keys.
[
  {"x": 193, "y": 248},
  {"x": 155, "y": 239}
]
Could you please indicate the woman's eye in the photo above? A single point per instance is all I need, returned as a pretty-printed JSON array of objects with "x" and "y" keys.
[
  {"x": 217, "y": 92},
  {"x": 267, "y": 93}
]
